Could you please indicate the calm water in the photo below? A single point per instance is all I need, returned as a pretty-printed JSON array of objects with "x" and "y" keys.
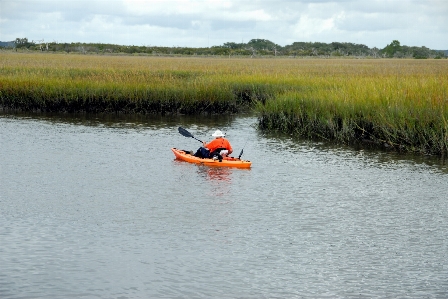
[{"x": 97, "y": 207}]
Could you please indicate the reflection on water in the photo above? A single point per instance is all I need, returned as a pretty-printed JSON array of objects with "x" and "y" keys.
[
  {"x": 222, "y": 174},
  {"x": 369, "y": 156},
  {"x": 219, "y": 179},
  {"x": 97, "y": 207},
  {"x": 199, "y": 124}
]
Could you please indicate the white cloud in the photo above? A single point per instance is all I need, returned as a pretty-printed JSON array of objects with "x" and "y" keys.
[
  {"x": 309, "y": 26},
  {"x": 174, "y": 7},
  {"x": 255, "y": 15}
]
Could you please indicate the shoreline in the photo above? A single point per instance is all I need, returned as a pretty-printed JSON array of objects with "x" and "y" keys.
[{"x": 398, "y": 104}]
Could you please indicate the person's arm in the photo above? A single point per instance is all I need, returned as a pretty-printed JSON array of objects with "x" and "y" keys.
[{"x": 230, "y": 149}]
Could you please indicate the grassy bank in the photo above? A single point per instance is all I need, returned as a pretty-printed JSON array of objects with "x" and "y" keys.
[
  {"x": 395, "y": 103},
  {"x": 79, "y": 83},
  {"x": 400, "y": 104}
]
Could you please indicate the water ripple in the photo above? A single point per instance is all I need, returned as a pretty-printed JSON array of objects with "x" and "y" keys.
[{"x": 96, "y": 209}]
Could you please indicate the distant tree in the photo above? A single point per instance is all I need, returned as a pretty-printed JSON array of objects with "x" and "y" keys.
[
  {"x": 255, "y": 47},
  {"x": 253, "y": 51},
  {"x": 22, "y": 42},
  {"x": 374, "y": 52},
  {"x": 391, "y": 49},
  {"x": 421, "y": 53},
  {"x": 234, "y": 46},
  {"x": 263, "y": 46}
]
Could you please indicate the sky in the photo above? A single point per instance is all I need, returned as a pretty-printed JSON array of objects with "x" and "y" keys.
[{"x": 206, "y": 23}]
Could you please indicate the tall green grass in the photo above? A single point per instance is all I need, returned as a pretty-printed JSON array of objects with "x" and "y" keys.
[
  {"x": 395, "y": 103},
  {"x": 405, "y": 109},
  {"x": 124, "y": 84}
]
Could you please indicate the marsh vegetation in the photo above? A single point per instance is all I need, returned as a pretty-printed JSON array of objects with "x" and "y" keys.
[{"x": 398, "y": 103}]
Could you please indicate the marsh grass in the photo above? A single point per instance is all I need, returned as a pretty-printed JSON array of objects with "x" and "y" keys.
[
  {"x": 401, "y": 104},
  {"x": 405, "y": 110},
  {"x": 123, "y": 84}
]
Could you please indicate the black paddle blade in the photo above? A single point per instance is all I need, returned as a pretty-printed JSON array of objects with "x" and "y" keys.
[
  {"x": 185, "y": 132},
  {"x": 241, "y": 153}
]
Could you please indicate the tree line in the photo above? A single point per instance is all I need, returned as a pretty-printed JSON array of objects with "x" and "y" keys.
[{"x": 253, "y": 48}]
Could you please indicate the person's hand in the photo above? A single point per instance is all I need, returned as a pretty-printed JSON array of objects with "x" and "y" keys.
[{"x": 204, "y": 143}]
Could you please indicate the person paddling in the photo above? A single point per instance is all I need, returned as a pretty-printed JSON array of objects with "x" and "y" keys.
[{"x": 217, "y": 148}]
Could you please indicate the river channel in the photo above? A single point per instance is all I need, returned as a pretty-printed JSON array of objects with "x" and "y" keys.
[{"x": 97, "y": 207}]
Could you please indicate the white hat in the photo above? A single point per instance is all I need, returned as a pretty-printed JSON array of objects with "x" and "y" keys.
[{"x": 218, "y": 133}]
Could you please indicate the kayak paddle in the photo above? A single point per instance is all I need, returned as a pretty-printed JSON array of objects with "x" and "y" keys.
[{"x": 185, "y": 133}]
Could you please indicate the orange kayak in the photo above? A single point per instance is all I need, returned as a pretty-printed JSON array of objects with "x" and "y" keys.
[{"x": 226, "y": 161}]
